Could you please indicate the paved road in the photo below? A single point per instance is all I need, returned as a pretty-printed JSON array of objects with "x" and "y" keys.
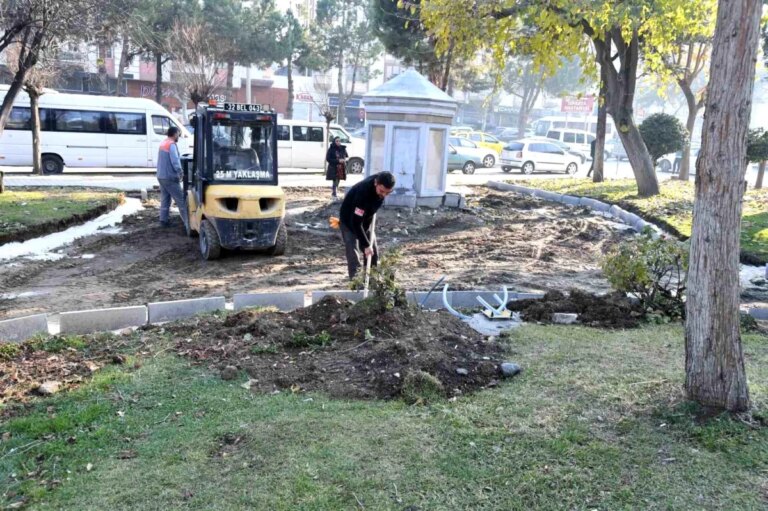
[{"x": 136, "y": 179}]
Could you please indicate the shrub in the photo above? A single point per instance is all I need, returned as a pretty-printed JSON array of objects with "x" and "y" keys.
[
  {"x": 305, "y": 340},
  {"x": 420, "y": 387},
  {"x": 9, "y": 350},
  {"x": 653, "y": 270},
  {"x": 663, "y": 134},
  {"x": 383, "y": 282},
  {"x": 757, "y": 145}
]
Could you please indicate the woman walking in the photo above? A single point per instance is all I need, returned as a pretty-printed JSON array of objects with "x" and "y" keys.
[{"x": 337, "y": 164}]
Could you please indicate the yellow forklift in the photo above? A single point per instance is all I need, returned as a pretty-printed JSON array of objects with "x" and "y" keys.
[{"x": 230, "y": 181}]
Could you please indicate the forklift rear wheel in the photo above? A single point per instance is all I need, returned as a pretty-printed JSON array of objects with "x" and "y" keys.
[
  {"x": 210, "y": 245},
  {"x": 280, "y": 242}
]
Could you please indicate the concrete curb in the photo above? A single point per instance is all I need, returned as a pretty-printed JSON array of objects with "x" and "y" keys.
[
  {"x": 621, "y": 215},
  {"x": 283, "y": 301},
  {"x": 435, "y": 300},
  {"x": 178, "y": 309},
  {"x": 116, "y": 318},
  {"x": 102, "y": 320},
  {"x": 20, "y": 329}
]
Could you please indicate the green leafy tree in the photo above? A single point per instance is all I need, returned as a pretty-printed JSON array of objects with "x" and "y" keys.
[
  {"x": 291, "y": 47},
  {"x": 687, "y": 62},
  {"x": 152, "y": 31},
  {"x": 343, "y": 29},
  {"x": 663, "y": 134},
  {"x": 403, "y": 34},
  {"x": 757, "y": 152},
  {"x": 607, "y": 34}
]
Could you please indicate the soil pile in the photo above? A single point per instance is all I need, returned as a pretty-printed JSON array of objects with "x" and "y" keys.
[
  {"x": 606, "y": 311},
  {"x": 344, "y": 349}
]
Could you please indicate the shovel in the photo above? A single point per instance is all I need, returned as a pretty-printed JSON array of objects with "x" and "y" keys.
[{"x": 368, "y": 261}]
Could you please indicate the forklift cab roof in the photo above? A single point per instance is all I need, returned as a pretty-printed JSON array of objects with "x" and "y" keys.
[{"x": 238, "y": 142}]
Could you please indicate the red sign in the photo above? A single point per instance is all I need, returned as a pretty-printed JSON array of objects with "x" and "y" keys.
[
  {"x": 574, "y": 105},
  {"x": 303, "y": 96}
]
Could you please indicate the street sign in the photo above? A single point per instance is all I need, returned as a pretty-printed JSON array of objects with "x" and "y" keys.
[{"x": 577, "y": 105}]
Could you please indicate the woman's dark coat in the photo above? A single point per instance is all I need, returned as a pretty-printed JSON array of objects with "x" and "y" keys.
[{"x": 334, "y": 154}]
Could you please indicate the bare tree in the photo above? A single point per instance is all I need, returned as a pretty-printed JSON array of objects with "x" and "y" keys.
[
  {"x": 714, "y": 362},
  {"x": 197, "y": 60},
  {"x": 322, "y": 83},
  {"x": 35, "y": 82},
  {"x": 34, "y": 25}
]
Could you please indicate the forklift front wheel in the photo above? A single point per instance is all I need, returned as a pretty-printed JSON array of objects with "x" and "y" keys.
[
  {"x": 210, "y": 245},
  {"x": 281, "y": 242}
]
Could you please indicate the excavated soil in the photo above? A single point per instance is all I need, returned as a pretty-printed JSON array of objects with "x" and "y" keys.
[
  {"x": 343, "y": 349},
  {"x": 606, "y": 311},
  {"x": 525, "y": 243}
]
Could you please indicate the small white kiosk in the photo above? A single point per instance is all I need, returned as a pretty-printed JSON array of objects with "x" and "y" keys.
[{"x": 408, "y": 122}]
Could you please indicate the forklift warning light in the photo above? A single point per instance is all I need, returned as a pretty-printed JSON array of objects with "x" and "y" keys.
[{"x": 219, "y": 115}]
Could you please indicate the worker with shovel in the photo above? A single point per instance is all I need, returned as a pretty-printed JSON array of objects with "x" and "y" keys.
[{"x": 357, "y": 219}]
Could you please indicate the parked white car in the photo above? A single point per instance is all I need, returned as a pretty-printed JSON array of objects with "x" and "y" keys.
[
  {"x": 530, "y": 155},
  {"x": 486, "y": 156}
]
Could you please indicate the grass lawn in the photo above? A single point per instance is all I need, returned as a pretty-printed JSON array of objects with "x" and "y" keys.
[
  {"x": 37, "y": 211},
  {"x": 672, "y": 209},
  {"x": 595, "y": 421}
]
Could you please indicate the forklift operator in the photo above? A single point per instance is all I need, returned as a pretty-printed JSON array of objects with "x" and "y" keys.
[{"x": 358, "y": 210}]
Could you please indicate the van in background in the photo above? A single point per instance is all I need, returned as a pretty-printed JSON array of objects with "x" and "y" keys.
[
  {"x": 79, "y": 130},
  {"x": 301, "y": 144}
]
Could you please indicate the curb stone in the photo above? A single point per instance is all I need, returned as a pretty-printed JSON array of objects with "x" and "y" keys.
[
  {"x": 178, "y": 309},
  {"x": 21, "y": 329},
  {"x": 285, "y": 302},
  {"x": 102, "y": 320}
]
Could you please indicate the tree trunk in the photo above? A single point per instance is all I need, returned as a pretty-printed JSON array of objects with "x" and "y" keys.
[
  {"x": 447, "y": 70},
  {"x": 598, "y": 162},
  {"x": 29, "y": 53},
  {"x": 760, "y": 174},
  {"x": 10, "y": 97},
  {"x": 714, "y": 363},
  {"x": 2, "y": 185},
  {"x": 158, "y": 77},
  {"x": 34, "y": 107},
  {"x": 230, "y": 75},
  {"x": 289, "y": 107},
  {"x": 637, "y": 153},
  {"x": 693, "y": 110},
  {"x": 620, "y": 87},
  {"x": 121, "y": 67},
  {"x": 340, "y": 79}
]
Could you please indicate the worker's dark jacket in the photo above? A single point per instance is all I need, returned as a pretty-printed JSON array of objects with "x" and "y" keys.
[{"x": 358, "y": 209}]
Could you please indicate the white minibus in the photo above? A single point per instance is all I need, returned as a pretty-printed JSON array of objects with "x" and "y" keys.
[
  {"x": 575, "y": 122},
  {"x": 79, "y": 130},
  {"x": 301, "y": 144}
]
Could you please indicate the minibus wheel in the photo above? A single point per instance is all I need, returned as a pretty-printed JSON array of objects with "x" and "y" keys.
[{"x": 52, "y": 164}]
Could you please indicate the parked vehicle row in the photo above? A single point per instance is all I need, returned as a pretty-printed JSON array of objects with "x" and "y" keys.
[{"x": 81, "y": 130}]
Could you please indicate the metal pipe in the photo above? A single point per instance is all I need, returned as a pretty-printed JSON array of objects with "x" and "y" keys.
[{"x": 451, "y": 309}]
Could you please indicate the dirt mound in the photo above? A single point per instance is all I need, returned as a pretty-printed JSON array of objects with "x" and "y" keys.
[
  {"x": 344, "y": 349},
  {"x": 606, "y": 311}
]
